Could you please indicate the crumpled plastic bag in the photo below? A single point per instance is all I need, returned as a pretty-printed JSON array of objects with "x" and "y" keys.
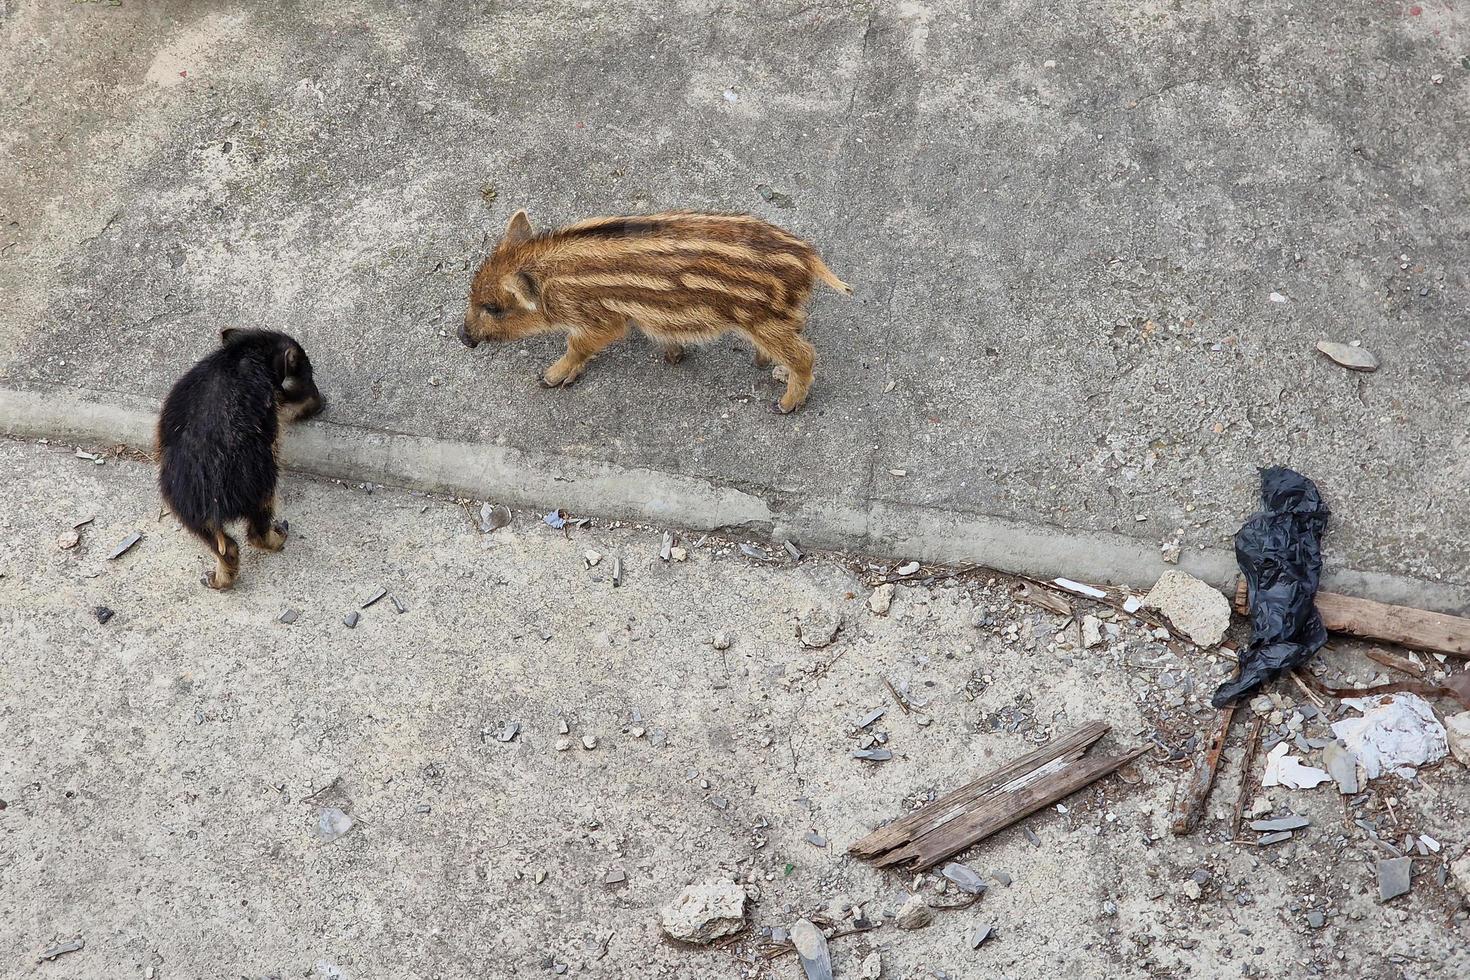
[
  {"x": 1280, "y": 552},
  {"x": 1396, "y": 734}
]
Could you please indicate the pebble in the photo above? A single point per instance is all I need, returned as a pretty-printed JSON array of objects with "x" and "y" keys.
[
  {"x": 872, "y": 967},
  {"x": 615, "y": 877},
  {"x": 1393, "y": 878},
  {"x": 350, "y": 620},
  {"x": 563, "y": 744},
  {"x": 1316, "y": 918},
  {"x": 720, "y": 641},
  {"x": 915, "y": 914},
  {"x": 704, "y": 912},
  {"x": 589, "y": 742},
  {"x": 1293, "y": 822},
  {"x": 289, "y": 616},
  {"x": 965, "y": 878},
  {"x": 67, "y": 540},
  {"x": 103, "y": 614},
  {"x": 882, "y": 599},
  {"x": 1348, "y": 356},
  {"x": 907, "y": 568},
  {"x": 818, "y": 628},
  {"x": 979, "y": 934},
  {"x": 1091, "y": 632}
]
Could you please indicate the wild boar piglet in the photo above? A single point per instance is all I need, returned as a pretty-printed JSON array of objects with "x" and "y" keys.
[
  {"x": 217, "y": 441},
  {"x": 679, "y": 277}
]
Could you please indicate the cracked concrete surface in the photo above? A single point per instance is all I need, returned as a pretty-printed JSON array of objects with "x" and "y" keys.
[{"x": 1065, "y": 224}]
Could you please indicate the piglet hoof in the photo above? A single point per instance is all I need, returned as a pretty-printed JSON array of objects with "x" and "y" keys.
[
  {"x": 776, "y": 407},
  {"x": 211, "y": 581},
  {"x": 673, "y": 355}
]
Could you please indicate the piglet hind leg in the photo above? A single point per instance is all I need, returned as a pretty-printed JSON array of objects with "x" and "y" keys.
[
  {"x": 264, "y": 531},
  {"x": 780, "y": 341},
  {"x": 582, "y": 346},
  {"x": 227, "y": 561}
]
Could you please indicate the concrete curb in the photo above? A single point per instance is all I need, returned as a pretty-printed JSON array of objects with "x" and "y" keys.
[{"x": 540, "y": 480}]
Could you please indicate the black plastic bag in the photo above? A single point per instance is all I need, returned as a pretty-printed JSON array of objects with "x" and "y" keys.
[{"x": 1280, "y": 552}]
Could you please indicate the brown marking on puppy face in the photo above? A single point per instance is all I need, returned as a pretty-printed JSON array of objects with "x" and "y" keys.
[{"x": 505, "y": 297}]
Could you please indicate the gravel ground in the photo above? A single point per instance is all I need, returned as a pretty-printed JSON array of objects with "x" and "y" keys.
[{"x": 164, "y": 773}]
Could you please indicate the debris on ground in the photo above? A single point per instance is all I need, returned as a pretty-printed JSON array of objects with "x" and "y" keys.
[
  {"x": 1189, "y": 801},
  {"x": 492, "y": 518},
  {"x": 818, "y": 627},
  {"x": 1350, "y": 356},
  {"x": 590, "y": 559},
  {"x": 751, "y": 551},
  {"x": 289, "y": 616},
  {"x": 980, "y": 934},
  {"x": 1280, "y": 551},
  {"x": 508, "y": 731},
  {"x": 617, "y": 573},
  {"x": 616, "y": 876},
  {"x": 556, "y": 519},
  {"x": 1275, "y": 824},
  {"x": 1405, "y": 626},
  {"x": 704, "y": 912},
  {"x": 126, "y": 544},
  {"x": 1397, "y": 733},
  {"x": 375, "y": 598},
  {"x": 882, "y": 599},
  {"x": 1080, "y": 589},
  {"x": 666, "y": 547},
  {"x": 103, "y": 614},
  {"x": 1252, "y": 742},
  {"x": 332, "y": 823},
  {"x": 61, "y": 949},
  {"x": 720, "y": 641},
  {"x": 1092, "y": 635},
  {"x": 350, "y": 620},
  {"x": 1457, "y": 733},
  {"x": 811, "y": 950},
  {"x": 1393, "y": 877},
  {"x": 68, "y": 540},
  {"x": 1196, "y": 608},
  {"x": 1042, "y": 598},
  {"x": 916, "y": 913},
  {"x": 1288, "y": 770},
  {"x": 1342, "y": 766},
  {"x": 994, "y": 801},
  {"x": 773, "y": 196},
  {"x": 965, "y": 878},
  {"x": 907, "y": 568},
  {"x": 872, "y": 966},
  {"x": 398, "y": 605}
]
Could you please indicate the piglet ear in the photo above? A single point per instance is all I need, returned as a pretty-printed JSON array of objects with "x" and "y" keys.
[
  {"x": 228, "y": 334},
  {"x": 288, "y": 360},
  {"x": 518, "y": 229},
  {"x": 524, "y": 289}
]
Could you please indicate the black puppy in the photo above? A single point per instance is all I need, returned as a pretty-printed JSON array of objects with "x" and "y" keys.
[{"x": 217, "y": 441}]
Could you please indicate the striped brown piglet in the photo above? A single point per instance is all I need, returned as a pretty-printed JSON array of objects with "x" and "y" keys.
[{"x": 679, "y": 277}]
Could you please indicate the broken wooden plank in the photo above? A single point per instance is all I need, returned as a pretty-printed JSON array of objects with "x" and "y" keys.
[
  {"x": 947, "y": 807},
  {"x": 1417, "y": 629},
  {"x": 1189, "y": 804},
  {"x": 993, "y": 802},
  {"x": 1251, "y": 744},
  {"x": 1043, "y": 598},
  {"x": 1396, "y": 662}
]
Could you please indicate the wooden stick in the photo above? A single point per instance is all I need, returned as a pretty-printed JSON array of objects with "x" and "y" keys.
[
  {"x": 1251, "y": 744},
  {"x": 1417, "y": 629},
  {"x": 1396, "y": 662},
  {"x": 1189, "y": 803},
  {"x": 901, "y": 831}
]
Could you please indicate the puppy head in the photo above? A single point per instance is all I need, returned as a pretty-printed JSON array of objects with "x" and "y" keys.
[
  {"x": 297, "y": 396},
  {"x": 505, "y": 300}
]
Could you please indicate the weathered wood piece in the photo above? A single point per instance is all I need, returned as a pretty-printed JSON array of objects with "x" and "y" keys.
[{"x": 1417, "y": 629}]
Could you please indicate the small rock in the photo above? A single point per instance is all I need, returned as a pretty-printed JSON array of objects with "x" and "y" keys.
[
  {"x": 1091, "y": 632},
  {"x": 818, "y": 628},
  {"x": 1457, "y": 732},
  {"x": 769, "y": 193},
  {"x": 589, "y": 742},
  {"x": 679, "y": 553},
  {"x": 1350, "y": 357},
  {"x": 907, "y": 568},
  {"x": 1001, "y": 877},
  {"x": 103, "y": 614},
  {"x": 979, "y": 934},
  {"x": 703, "y": 913},
  {"x": 720, "y": 641},
  {"x": 915, "y": 914},
  {"x": 67, "y": 540},
  {"x": 591, "y": 558},
  {"x": 1342, "y": 766},
  {"x": 350, "y": 620},
  {"x": 1316, "y": 919},
  {"x": 882, "y": 599},
  {"x": 615, "y": 877},
  {"x": 1281, "y": 823},
  {"x": 1460, "y": 874},
  {"x": 1194, "y": 607},
  {"x": 872, "y": 967},
  {"x": 332, "y": 823},
  {"x": 289, "y": 616},
  {"x": 508, "y": 731},
  {"x": 873, "y": 755},
  {"x": 816, "y": 840},
  {"x": 965, "y": 878},
  {"x": 1393, "y": 878},
  {"x": 563, "y": 744},
  {"x": 811, "y": 950},
  {"x": 1192, "y": 890},
  {"x": 1268, "y": 839}
]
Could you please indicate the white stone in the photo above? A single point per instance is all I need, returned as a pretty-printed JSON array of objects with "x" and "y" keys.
[
  {"x": 1195, "y": 608},
  {"x": 915, "y": 914},
  {"x": 872, "y": 968},
  {"x": 702, "y": 913},
  {"x": 1091, "y": 631},
  {"x": 1460, "y": 875},
  {"x": 882, "y": 599},
  {"x": 1457, "y": 730}
]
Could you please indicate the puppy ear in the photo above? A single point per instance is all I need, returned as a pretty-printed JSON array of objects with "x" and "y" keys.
[
  {"x": 524, "y": 289},
  {"x": 228, "y": 334},
  {"x": 518, "y": 229}
]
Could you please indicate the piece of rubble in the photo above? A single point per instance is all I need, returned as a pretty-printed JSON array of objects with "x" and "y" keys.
[
  {"x": 508, "y": 731},
  {"x": 589, "y": 742},
  {"x": 67, "y": 540},
  {"x": 289, "y": 616},
  {"x": 1316, "y": 918},
  {"x": 350, "y": 620},
  {"x": 811, "y": 950},
  {"x": 1342, "y": 765},
  {"x": 375, "y": 598},
  {"x": 666, "y": 547},
  {"x": 124, "y": 546},
  {"x": 980, "y": 934},
  {"x": 872, "y": 966},
  {"x": 1397, "y": 733},
  {"x": 103, "y": 614},
  {"x": 563, "y": 744},
  {"x": 915, "y": 914},
  {"x": 1287, "y": 770},
  {"x": 815, "y": 839},
  {"x": 615, "y": 877},
  {"x": 818, "y": 627},
  {"x": 1294, "y": 822},
  {"x": 1195, "y": 608},
  {"x": 492, "y": 518},
  {"x": 591, "y": 558},
  {"x": 61, "y": 949},
  {"x": 1457, "y": 734},
  {"x": 1266, "y": 840},
  {"x": 720, "y": 641},
  {"x": 882, "y": 599},
  {"x": 1080, "y": 589},
  {"x": 873, "y": 755},
  {"x": 1001, "y": 878},
  {"x": 965, "y": 878},
  {"x": 1393, "y": 877},
  {"x": 907, "y": 568},
  {"x": 332, "y": 823},
  {"x": 704, "y": 912},
  {"x": 751, "y": 551},
  {"x": 1460, "y": 875},
  {"x": 679, "y": 553},
  {"x": 1091, "y": 632},
  {"x": 1132, "y": 604},
  {"x": 1350, "y": 357}
]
